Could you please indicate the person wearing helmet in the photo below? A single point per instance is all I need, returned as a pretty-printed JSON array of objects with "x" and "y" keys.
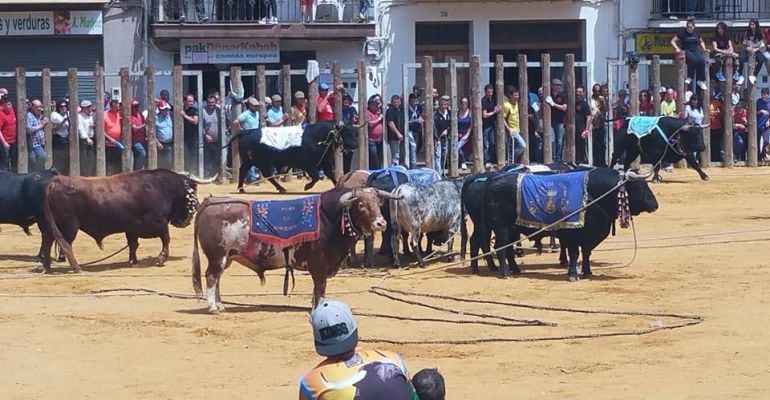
[{"x": 350, "y": 372}]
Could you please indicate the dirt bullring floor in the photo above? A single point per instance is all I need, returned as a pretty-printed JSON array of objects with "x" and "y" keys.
[{"x": 702, "y": 253}]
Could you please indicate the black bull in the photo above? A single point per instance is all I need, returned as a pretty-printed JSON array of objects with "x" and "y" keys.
[
  {"x": 21, "y": 200},
  {"x": 683, "y": 140},
  {"x": 319, "y": 143},
  {"x": 500, "y": 213}
]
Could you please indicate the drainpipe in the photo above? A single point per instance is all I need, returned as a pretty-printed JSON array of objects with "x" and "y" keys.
[{"x": 621, "y": 39}]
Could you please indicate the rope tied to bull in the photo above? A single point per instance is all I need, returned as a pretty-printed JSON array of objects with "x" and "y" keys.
[{"x": 333, "y": 140}]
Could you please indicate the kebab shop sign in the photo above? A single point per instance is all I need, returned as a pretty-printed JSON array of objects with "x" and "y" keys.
[{"x": 229, "y": 51}]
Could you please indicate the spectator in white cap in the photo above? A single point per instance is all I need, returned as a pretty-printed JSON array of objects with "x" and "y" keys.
[
  {"x": 350, "y": 372},
  {"x": 86, "y": 134},
  {"x": 299, "y": 110},
  {"x": 164, "y": 135}
]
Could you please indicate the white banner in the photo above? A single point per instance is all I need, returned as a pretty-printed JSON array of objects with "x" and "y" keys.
[
  {"x": 229, "y": 51},
  {"x": 46, "y": 23}
]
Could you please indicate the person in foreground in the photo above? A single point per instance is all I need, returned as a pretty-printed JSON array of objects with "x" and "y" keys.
[
  {"x": 350, "y": 372},
  {"x": 429, "y": 384}
]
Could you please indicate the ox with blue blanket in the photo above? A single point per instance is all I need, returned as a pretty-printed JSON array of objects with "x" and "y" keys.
[{"x": 543, "y": 200}]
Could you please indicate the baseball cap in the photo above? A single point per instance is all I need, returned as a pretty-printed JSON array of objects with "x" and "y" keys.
[
  {"x": 252, "y": 101},
  {"x": 299, "y": 95},
  {"x": 334, "y": 328},
  {"x": 276, "y": 97},
  {"x": 323, "y": 86},
  {"x": 85, "y": 103},
  {"x": 134, "y": 102},
  {"x": 163, "y": 105},
  {"x": 556, "y": 81}
]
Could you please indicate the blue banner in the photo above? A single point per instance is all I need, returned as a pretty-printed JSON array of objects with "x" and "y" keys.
[
  {"x": 284, "y": 223},
  {"x": 544, "y": 199}
]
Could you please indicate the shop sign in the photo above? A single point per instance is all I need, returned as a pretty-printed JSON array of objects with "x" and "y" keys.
[
  {"x": 229, "y": 51},
  {"x": 648, "y": 43},
  {"x": 47, "y": 23}
]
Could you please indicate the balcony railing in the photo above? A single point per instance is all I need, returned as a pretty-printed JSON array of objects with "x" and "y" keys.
[
  {"x": 711, "y": 9},
  {"x": 260, "y": 11}
]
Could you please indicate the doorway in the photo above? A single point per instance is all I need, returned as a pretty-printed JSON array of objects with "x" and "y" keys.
[{"x": 444, "y": 41}]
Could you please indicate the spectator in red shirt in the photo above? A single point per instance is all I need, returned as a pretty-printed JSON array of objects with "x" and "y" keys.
[
  {"x": 112, "y": 137},
  {"x": 715, "y": 121},
  {"x": 324, "y": 108},
  {"x": 7, "y": 135},
  {"x": 646, "y": 106},
  {"x": 138, "y": 136},
  {"x": 740, "y": 120}
]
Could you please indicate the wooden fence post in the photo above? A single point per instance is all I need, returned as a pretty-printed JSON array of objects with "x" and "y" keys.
[
  {"x": 235, "y": 110},
  {"x": 633, "y": 88},
  {"x": 72, "y": 80},
  {"x": 545, "y": 65},
  {"x": 22, "y": 160},
  {"x": 569, "y": 128},
  {"x": 427, "y": 134},
  {"x": 127, "y": 158},
  {"x": 453, "y": 133},
  {"x": 152, "y": 148},
  {"x": 523, "y": 105},
  {"x": 178, "y": 121},
  {"x": 363, "y": 131},
  {"x": 681, "y": 71},
  {"x": 752, "y": 152},
  {"x": 705, "y": 155},
  {"x": 98, "y": 113},
  {"x": 47, "y": 113},
  {"x": 727, "y": 141},
  {"x": 337, "y": 82},
  {"x": 478, "y": 140},
  {"x": 656, "y": 83},
  {"x": 262, "y": 95},
  {"x": 500, "y": 117},
  {"x": 312, "y": 94}
]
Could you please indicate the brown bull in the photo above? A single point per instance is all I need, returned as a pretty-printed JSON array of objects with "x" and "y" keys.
[
  {"x": 140, "y": 204},
  {"x": 222, "y": 228},
  {"x": 354, "y": 179}
]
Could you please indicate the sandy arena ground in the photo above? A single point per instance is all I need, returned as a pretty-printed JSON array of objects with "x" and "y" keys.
[{"x": 58, "y": 341}]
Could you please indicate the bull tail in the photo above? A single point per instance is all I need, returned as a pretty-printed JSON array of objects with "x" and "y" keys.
[
  {"x": 196, "y": 261},
  {"x": 54, "y": 228},
  {"x": 232, "y": 139}
]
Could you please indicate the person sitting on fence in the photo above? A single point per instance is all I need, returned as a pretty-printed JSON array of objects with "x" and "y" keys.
[
  {"x": 740, "y": 140},
  {"x": 350, "y": 372},
  {"x": 688, "y": 44},
  {"x": 164, "y": 135},
  {"x": 7, "y": 133},
  {"x": 36, "y": 123},
  {"x": 429, "y": 384},
  {"x": 441, "y": 125},
  {"x": 112, "y": 136},
  {"x": 723, "y": 50},
  {"x": 646, "y": 105},
  {"x": 86, "y": 135},
  {"x": 60, "y": 118},
  {"x": 754, "y": 43}
]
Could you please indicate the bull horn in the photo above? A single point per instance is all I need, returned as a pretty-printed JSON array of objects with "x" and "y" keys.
[
  {"x": 635, "y": 176},
  {"x": 198, "y": 180},
  {"x": 347, "y": 199},
  {"x": 388, "y": 195}
]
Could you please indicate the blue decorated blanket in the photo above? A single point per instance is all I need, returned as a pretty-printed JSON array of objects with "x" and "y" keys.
[
  {"x": 423, "y": 176},
  {"x": 641, "y": 126},
  {"x": 544, "y": 199},
  {"x": 285, "y": 223}
]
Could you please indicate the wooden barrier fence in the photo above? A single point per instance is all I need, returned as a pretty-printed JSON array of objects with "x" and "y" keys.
[{"x": 235, "y": 75}]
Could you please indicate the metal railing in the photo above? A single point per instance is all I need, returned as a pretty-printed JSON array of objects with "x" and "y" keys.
[
  {"x": 711, "y": 9},
  {"x": 260, "y": 11}
]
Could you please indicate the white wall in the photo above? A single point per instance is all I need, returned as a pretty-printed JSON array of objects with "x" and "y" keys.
[{"x": 398, "y": 21}]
